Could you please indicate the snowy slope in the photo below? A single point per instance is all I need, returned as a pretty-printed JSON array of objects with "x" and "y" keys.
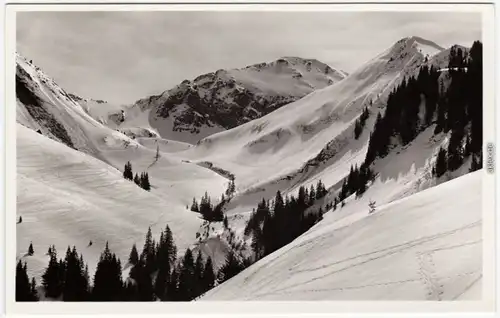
[
  {"x": 224, "y": 99},
  {"x": 88, "y": 135},
  {"x": 403, "y": 251},
  {"x": 69, "y": 198}
]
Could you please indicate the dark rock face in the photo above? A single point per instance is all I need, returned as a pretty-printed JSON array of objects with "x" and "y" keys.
[
  {"x": 35, "y": 106},
  {"x": 229, "y": 98}
]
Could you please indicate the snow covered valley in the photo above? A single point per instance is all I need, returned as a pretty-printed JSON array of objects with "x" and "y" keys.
[{"x": 387, "y": 226}]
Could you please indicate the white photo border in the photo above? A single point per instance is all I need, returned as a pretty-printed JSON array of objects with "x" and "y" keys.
[{"x": 307, "y": 308}]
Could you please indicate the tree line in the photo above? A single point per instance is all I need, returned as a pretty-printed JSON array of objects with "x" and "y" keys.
[
  {"x": 155, "y": 274},
  {"x": 142, "y": 180},
  {"x": 273, "y": 225}
]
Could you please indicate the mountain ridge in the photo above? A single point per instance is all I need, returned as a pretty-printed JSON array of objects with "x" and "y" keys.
[{"x": 224, "y": 99}]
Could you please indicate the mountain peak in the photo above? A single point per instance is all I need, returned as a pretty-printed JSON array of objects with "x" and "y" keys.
[
  {"x": 411, "y": 46},
  {"x": 424, "y": 46}
]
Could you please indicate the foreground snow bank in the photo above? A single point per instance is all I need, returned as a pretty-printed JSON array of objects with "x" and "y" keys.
[{"x": 423, "y": 247}]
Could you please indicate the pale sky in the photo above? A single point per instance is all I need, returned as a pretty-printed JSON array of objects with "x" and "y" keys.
[{"x": 123, "y": 56}]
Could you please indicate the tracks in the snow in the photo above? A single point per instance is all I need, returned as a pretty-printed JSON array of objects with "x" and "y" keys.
[{"x": 426, "y": 265}]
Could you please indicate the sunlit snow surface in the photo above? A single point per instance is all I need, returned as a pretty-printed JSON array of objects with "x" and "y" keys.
[{"x": 424, "y": 247}]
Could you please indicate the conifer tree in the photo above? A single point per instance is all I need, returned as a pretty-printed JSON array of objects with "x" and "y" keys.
[
  {"x": 145, "y": 181},
  {"x": 208, "y": 275},
  {"x": 137, "y": 180},
  {"x": 24, "y": 290},
  {"x": 75, "y": 283},
  {"x": 52, "y": 278},
  {"x": 127, "y": 172},
  {"x": 31, "y": 251},
  {"x": 206, "y": 208},
  {"x": 187, "y": 277},
  {"x": 170, "y": 246},
  {"x": 198, "y": 272},
  {"x": 194, "y": 206},
  {"x": 108, "y": 283},
  {"x": 134, "y": 256},
  {"x": 148, "y": 252},
  {"x": 312, "y": 195}
]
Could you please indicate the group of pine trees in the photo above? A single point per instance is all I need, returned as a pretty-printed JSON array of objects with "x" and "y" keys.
[
  {"x": 68, "y": 277},
  {"x": 273, "y": 225},
  {"x": 208, "y": 210},
  {"x": 460, "y": 112},
  {"x": 360, "y": 123},
  {"x": 142, "y": 180},
  {"x": 25, "y": 290},
  {"x": 155, "y": 274},
  {"x": 457, "y": 109},
  {"x": 401, "y": 121},
  {"x": 355, "y": 183}
]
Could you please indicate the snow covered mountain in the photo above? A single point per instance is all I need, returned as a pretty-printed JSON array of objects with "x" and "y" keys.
[
  {"x": 315, "y": 131},
  {"x": 272, "y": 126},
  {"x": 224, "y": 99}
]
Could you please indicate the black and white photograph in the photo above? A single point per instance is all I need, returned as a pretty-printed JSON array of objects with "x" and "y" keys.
[{"x": 249, "y": 154}]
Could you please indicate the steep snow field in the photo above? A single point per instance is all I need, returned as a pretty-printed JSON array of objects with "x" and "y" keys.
[
  {"x": 69, "y": 198},
  {"x": 402, "y": 251}
]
